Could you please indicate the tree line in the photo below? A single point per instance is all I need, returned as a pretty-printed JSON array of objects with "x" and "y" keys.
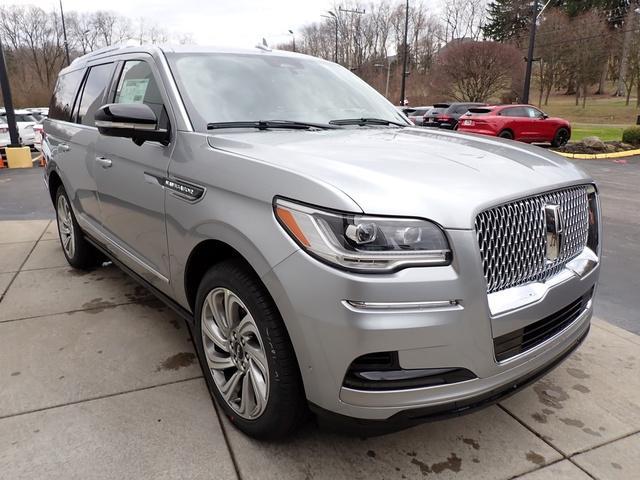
[
  {"x": 471, "y": 50},
  {"x": 33, "y": 40},
  {"x": 475, "y": 50}
]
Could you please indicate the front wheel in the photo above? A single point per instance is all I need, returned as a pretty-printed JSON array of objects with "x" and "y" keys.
[
  {"x": 506, "y": 134},
  {"x": 246, "y": 355},
  {"x": 561, "y": 138}
]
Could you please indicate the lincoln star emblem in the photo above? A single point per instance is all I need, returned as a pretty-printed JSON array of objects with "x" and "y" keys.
[{"x": 554, "y": 230}]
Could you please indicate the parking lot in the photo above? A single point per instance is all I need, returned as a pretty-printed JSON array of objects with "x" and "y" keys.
[{"x": 99, "y": 380}]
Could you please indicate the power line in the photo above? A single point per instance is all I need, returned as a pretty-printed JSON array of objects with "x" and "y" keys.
[{"x": 579, "y": 39}]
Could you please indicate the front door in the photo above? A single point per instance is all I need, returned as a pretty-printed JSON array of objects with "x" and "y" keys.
[{"x": 128, "y": 180}]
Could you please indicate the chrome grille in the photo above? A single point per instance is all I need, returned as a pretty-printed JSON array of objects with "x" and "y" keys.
[{"x": 512, "y": 237}]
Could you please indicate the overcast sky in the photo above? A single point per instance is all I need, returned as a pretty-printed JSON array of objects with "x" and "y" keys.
[{"x": 241, "y": 23}]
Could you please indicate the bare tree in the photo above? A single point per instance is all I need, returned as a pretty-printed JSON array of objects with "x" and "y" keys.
[
  {"x": 585, "y": 53},
  {"x": 476, "y": 71},
  {"x": 462, "y": 19}
]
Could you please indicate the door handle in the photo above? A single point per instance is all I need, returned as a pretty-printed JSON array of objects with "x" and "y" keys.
[
  {"x": 63, "y": 147},
  {"x": 104, "y": 162}
]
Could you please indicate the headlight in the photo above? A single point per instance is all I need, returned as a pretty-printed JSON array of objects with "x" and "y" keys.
[
  {"x": 361, "y": 242},
  {"x": 593, "y": 239}
]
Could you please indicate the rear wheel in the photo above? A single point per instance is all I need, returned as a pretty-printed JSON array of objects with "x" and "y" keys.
[
  {"x": 506, "y": 134},
  {"x": 78, "y": 252},
  {"x": 561, "y": 138},
  {"x": 245, "y": 352}
]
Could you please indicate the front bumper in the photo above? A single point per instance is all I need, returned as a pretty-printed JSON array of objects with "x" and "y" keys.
[{"x": 454, "y": 328}]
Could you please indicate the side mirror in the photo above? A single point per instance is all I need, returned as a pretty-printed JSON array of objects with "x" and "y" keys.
[
  {"x": 544, "y": 116},
  {"x": 130, "y": 120}
]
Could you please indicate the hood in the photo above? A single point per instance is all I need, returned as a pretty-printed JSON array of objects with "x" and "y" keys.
[{"x": 447, "y": 177}]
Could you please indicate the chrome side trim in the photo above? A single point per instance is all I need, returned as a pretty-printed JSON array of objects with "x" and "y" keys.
[
  {"x": 505, "y": 301},
  {"x": 111, "y": 245},
  {"x": 127, "y": 125},
  {"x": 175, "y": 92},
  {"x": 401, "y": 307}
]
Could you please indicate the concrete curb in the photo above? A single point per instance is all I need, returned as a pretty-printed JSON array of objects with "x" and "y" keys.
[{"x": 599, "y": 156}]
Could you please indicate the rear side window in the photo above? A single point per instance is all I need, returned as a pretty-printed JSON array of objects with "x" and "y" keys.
[
  {"x": 514, "y": 112},
  {"x": 93, "y": 92},
  {"x": 64, "y": 94},
  {"x": 138, "y": 85},
  {"x": 480, "y": 111}
]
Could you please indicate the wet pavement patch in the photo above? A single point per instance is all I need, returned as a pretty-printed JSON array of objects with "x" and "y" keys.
[
  {"x": 97, "y": 305},
  {"x": 534, "y": 457},
  {"x": 453, "y": 463},
  {"x": 177, "y": 361}
]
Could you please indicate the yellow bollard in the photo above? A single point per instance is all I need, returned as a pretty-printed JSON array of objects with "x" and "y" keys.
[{"x": 19, "y": 157}]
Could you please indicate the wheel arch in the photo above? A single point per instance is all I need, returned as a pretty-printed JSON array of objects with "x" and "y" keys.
[
  {"x": 507, "y": 129},
  {"x": 54, "y": 183}
]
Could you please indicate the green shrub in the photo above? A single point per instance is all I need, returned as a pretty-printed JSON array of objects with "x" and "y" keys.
[{"x": 631, "y": 135}]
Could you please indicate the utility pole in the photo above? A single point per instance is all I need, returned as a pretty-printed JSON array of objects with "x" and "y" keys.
[
  {"x": 64, "y": 34},
  {"x": 405, "y": 55},
  {"x": 8, "y": 101},
  {"x": 532, "y": 42}
]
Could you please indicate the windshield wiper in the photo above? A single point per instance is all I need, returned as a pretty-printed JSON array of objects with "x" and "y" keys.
[
  {"x": 366, "y": 121},
  {"x": 267, "y": 124}
]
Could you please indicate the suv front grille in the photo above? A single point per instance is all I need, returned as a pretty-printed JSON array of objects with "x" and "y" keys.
[{"x": 512, "y": 237}]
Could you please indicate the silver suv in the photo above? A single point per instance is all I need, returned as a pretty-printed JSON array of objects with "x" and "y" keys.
[{"x": 328, "y": 256}]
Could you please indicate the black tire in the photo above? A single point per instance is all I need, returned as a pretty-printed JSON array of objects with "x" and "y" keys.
[
  {"x": 561, "y": 138},
  {"x": 83, "y": 256},
  {"x": 506, "y": 134},
  {"x": 286, "y": 406}
]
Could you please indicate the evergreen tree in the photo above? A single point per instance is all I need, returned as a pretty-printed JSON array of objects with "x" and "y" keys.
[{"x": 507, "y": 19}]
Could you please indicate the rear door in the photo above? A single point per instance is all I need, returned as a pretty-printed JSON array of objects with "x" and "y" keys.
[
  {"x": 129, "y": 177},
  {"x": 71, "y": 138},
  {"x": 518, "y": 122}
]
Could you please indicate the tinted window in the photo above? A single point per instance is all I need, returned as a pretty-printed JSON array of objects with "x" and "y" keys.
[
  {"x": 533, "y": 112},
  {"x": 64, "y": 94},
  {"x": 93, "y": 92},
  {"x": 480, "y": 111},
  {"x": 419, "y": 112},
  {"x": 435, "y": 111},
  {"x": 138, "y": 85},
  {"x": 514, "y": 112}
]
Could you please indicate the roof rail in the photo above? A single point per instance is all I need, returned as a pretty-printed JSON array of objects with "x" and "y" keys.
[{"x": 97, "y": 52}]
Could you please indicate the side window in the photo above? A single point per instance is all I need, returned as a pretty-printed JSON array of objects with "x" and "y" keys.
[
  {"x": 64, "y": 94},
  {"x": 533, "y": 112},
  {"x": 138, "y": 85},
  {"x": 93, "y": 92},
  {"x": 515, "y": 112}
]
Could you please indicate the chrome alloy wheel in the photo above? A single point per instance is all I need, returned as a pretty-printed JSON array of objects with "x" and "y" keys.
[
  {"x": 235, "y": 353},
  {"x": 65, "y": 226}
]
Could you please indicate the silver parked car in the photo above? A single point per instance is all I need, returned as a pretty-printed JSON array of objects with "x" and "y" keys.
[{"x": 326, "y": 255}]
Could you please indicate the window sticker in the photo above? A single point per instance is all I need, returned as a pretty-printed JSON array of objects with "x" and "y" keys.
[{"x": 133, "y": 90}]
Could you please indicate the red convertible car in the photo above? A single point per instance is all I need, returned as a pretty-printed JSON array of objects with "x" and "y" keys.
[{"x": 517, "y": 122}]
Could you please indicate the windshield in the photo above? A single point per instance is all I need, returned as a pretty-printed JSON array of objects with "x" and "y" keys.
[{"x": 223, "y": 87}]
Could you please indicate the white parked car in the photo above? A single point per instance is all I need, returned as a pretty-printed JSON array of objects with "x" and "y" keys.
[
  {"x": 25, "y": 122},
  {"x": 4, "y": 135}
]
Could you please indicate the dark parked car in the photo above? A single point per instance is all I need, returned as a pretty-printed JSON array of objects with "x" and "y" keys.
[
  {"x": 417, "y": 115},
  {"x": 516, "y": 122},
  {"x": 446, "y": 115}
]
